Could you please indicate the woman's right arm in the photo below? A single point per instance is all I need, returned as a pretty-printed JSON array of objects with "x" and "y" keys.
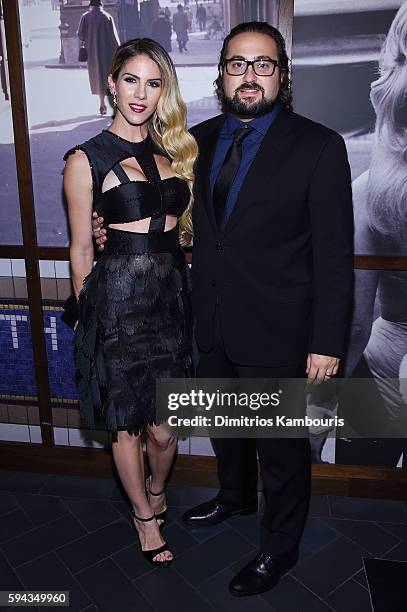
[
  {"x": 78, "y": 192},
  {"x": 366, "y": 281},
  {"x": 82, "y": 29}
]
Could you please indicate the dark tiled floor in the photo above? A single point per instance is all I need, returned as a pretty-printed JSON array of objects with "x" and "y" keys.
[{"x": 75, "y": 534}]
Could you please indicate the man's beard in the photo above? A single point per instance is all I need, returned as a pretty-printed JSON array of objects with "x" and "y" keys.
[{"x": 244, "y": 109}]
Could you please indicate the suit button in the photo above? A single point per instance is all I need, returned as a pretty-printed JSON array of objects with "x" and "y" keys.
[
  {"x": 219, "y": 246},
  {"x": 213, "y": 283}
]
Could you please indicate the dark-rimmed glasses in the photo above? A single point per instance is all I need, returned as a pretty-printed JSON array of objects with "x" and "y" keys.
[{"x": 261, "y": 67}]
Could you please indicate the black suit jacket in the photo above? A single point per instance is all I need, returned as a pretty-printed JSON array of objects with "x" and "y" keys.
[{"x": 282, "y": 268}]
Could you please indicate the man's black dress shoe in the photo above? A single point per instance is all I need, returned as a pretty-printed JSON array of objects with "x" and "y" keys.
[
  {"x": 214, "y": 512},
  {"x": 261, "y": 574}
]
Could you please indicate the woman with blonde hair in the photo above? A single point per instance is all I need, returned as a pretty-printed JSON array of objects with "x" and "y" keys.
[
  {"x": 135, "y": 322},
  {"x": 379, "y": 326}
]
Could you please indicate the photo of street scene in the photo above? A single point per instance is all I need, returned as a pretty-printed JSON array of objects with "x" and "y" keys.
[
  {"x": 63, "y": 111},
  {"x": 10, "y": 224}
]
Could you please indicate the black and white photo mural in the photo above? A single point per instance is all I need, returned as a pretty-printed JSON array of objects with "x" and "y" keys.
[{"x": 350, "y": 73}]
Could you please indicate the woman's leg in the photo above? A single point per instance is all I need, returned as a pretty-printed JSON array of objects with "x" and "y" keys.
[
  {"x": 128, "y": 457},
  {"x": 161, "y": 449},
  {"x": 102, "y": 105}
]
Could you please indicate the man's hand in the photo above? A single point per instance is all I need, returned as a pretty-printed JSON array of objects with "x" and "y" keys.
[
  {"x": 98, "y": 231},
  {"x": 321, "y": 367}
]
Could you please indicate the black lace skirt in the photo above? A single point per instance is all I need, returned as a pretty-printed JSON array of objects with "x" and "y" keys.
[{"x": 135, "y": 326}]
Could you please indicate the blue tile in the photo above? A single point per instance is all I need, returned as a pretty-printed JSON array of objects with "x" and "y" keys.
[{"x": 17, "y": 364}]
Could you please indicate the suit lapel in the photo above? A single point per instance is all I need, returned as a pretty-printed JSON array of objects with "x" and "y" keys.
[
  {"x": 207, "y": 147},
  {"x": 271, "y": 152}
]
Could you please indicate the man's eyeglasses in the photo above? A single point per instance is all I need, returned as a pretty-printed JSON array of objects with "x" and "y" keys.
[{"x": 262, "y": 67}]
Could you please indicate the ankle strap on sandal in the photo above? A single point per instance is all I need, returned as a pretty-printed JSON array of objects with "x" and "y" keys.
[
  {"x": 145, "y": 520},
  {"x": 156, "y": 494},
  {"x": 150, "y": 491}
]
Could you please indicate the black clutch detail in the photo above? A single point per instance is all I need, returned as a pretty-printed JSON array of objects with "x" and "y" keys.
[
  {"x": 71, "y": 312},
  {"x": 83, "y": 54}
]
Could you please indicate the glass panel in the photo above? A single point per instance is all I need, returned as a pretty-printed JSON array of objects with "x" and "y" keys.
[
  {"x": 10, "y": 224},
  {"x": 56, "y": 287},
  {"x": 19, "y": 418},
  {"x": 68, "y": 428}
]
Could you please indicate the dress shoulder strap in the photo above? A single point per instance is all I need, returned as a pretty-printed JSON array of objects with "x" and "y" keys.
[
  {"x": 145, "y": 157},
  {"x": 103, "y": 151},
  {"x": 146, "y": 160}
]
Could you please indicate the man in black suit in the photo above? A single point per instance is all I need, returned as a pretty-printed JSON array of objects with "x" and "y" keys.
[{"x": 272, "y": 278}]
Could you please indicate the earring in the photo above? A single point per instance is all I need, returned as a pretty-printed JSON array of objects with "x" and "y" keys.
[
  {"x": 114, "y": 98},
  {"x": 158, "y": 121}
]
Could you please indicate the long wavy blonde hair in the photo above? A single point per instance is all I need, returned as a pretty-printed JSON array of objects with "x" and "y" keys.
[
  {"x": 167, "y": 126},
  {"x": 387, "y": 185}
]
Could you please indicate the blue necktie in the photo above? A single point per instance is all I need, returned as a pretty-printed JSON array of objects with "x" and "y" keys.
[{"x": 227, "y": 175}]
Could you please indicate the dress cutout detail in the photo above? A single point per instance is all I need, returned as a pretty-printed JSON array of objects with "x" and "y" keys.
[{"x": 135, "y": 320}]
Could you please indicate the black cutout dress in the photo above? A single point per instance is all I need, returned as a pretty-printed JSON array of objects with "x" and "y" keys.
[{"x": 135, "y": 321}]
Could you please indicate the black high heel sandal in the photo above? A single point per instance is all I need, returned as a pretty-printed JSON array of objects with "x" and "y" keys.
[
  {"x": 150, "y": 554},
  {"x": 163, "y": 514}
]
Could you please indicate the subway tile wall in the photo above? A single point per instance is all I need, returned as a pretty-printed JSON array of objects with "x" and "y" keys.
[{"x": 19, "y": 416}]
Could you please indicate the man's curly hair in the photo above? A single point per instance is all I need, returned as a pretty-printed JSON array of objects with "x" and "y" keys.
[{"x": 260, "y": 27}]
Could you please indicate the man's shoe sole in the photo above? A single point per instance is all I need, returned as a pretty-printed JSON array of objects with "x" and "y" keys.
[
  {"x": 244, "y": 512},
  {"x": 252, "y": 593}
]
